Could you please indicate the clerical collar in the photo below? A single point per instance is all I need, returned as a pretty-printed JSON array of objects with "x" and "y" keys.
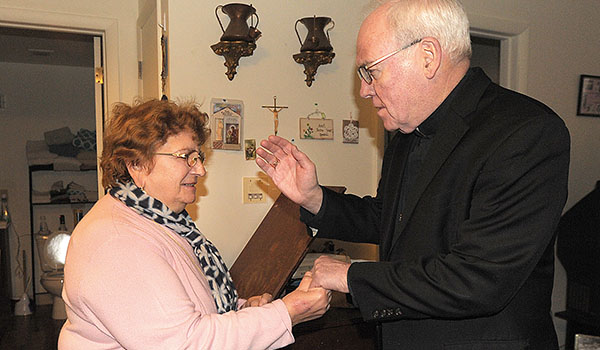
[{"x": 429, "y": 126}]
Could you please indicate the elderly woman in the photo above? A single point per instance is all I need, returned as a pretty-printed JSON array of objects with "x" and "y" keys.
[{"x": 139, "y": 274}]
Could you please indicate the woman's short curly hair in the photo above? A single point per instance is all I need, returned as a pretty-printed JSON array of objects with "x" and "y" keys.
[{"x": 135, "y": 132}]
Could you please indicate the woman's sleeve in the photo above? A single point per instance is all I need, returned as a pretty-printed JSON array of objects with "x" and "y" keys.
[{"x": 133, "y": 294}]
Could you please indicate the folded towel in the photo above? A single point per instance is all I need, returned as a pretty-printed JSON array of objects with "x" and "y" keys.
[
  {"x": 87, "y": 155},
  {"x": 64, "y": 150},
  {"x": 40, "y": 196},
  {"x": 88, "y": 159},
  {"x": 76, "y": 196},
  {"x": 36, "y": 146},
  {"x": 40, "y": 161},
  {"x": 59, "y": 136},
  {"x": 66, "y": 164},
  {"x": 38, "y": 153},
  {"x": 58, "y": 194}
]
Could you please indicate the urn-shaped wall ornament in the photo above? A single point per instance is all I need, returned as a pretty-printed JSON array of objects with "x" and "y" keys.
[
  {"x": 239, "y": 38},
  {"x": 316, "y": 48}
]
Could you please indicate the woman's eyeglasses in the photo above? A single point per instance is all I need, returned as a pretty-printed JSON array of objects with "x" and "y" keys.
[{"x": 191, "y": 158}]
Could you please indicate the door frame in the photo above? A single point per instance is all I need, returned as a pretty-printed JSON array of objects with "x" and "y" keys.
[
  {"x": 106, "y": 28},
  {"x": 514, "y": 47}
]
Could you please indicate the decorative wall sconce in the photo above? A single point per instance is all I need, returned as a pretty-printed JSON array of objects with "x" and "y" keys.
[
  {"x": 316, "y": 49},
  {"x": 238, "y": 40}
]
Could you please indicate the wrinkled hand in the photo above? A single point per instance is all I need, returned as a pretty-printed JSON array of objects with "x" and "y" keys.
[
  {"x": 292, "y": 172},
  {"x": 305, "y": 303},
  {"x": 257, "y": 300},
  {"x": 330, "y": 274}
]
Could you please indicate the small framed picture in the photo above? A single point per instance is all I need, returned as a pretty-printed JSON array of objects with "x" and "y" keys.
[
  {"x": 226, "y": 124},
  {"x": 250, "y": 149},
  {"x": 589, "y": 96},
  {"x": 350, "y": 131}
]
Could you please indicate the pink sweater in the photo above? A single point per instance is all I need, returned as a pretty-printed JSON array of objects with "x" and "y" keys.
[{"x": 131, "y": 283}]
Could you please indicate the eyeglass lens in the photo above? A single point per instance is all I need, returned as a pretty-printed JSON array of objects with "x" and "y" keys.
[
  {"x": 364, "y": 74},
  {"x": 193, "y": 158}
]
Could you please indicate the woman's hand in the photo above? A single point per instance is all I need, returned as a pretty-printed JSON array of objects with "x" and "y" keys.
[
  {"x": 257, "y": 300},
  {"x": 305, "y": 304}
]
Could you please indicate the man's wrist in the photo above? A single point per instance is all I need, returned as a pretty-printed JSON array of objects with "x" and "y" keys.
[{"x": 315, "y": 202}]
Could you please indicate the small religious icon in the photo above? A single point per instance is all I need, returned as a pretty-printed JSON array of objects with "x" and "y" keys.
[
  {"x": 275, "y": 110},
  {"x": 250, "y": 148}
]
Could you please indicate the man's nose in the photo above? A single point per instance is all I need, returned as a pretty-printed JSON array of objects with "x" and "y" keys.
[{"x": 366, "y": 90}]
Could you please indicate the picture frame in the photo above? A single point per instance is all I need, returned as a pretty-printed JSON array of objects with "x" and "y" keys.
[
  {"x": 226, "y": 123},
  {"x": 588, "y": 103}
]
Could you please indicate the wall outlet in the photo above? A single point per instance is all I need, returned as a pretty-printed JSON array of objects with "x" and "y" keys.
[{"x": 254, "y": 190}]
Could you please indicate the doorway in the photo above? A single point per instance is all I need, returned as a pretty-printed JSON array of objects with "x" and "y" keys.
[{"x": 48, "y": 83}]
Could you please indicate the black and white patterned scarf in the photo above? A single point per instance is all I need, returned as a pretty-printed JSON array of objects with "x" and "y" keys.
[{"x": 216, "y": 272}]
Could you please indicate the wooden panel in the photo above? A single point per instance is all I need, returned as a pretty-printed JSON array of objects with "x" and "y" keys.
[{"x": 274, "y": 252}]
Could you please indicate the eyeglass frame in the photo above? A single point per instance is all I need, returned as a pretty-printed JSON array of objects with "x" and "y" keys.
[
  {"x": 187, "y": 157},
  {"x": 363, "y": 71}
]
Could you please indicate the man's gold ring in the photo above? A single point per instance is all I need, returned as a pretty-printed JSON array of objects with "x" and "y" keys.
[{"x": 274, "y": 163}]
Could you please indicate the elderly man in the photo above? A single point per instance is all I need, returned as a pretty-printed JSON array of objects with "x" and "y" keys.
[{"x": 471, "y": 191}]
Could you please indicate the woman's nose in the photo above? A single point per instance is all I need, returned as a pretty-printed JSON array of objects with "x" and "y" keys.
[{"x": 199, "y": 169}]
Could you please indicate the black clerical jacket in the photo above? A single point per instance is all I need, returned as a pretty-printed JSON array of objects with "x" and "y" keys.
[{"x": 469, "y": 261}]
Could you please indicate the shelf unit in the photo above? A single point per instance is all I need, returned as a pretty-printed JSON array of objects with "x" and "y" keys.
[{"x": 37, "y": 173}]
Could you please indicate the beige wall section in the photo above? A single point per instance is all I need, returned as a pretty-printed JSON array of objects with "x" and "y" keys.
[{"x": 197, "y": 72}]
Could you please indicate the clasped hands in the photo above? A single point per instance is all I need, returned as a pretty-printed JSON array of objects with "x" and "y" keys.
[{"x": 312, "y": 298}]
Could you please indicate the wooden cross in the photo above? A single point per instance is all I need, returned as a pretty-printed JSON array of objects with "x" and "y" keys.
[{"x": 275, "y": 110}]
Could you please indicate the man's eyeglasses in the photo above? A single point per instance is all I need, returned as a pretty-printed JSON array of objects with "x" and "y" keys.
[
  {"x": 191, "y": 158},
  {"x": 364, "y": 71}
]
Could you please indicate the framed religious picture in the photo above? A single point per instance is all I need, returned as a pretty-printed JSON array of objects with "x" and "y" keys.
[
  {"x": 250, "y": 149},
  {"x": 226, "y": 123},
  {"x": 589, "y": 96}
]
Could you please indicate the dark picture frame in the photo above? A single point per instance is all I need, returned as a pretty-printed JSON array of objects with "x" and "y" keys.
[{"x": 588, "y": 103}]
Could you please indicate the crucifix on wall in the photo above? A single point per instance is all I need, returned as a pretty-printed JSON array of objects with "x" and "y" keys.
[{"x": 275, "y": 110}]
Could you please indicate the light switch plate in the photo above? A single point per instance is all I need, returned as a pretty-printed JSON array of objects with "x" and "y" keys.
[{"x": 254, "y": 190}]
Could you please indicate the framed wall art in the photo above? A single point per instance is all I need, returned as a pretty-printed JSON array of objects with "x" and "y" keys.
[
  {"x": 588, "y": 103},
  {"x": 226, "y": 123}
]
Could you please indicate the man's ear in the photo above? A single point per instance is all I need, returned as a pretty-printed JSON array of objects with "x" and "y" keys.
[
  {"x": 432, "y": 56},
  {"x": 137, "y": 173}
]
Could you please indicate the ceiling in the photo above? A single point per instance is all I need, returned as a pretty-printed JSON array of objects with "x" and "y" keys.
[{"x": 18, "y": 45}]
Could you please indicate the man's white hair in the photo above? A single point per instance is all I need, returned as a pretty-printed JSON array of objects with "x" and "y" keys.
[{"x": 445, "y": 20}]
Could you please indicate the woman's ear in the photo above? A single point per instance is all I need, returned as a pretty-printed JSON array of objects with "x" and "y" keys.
[
  {"x": 432, "y": 56},
  {"x": 137, "y": 173}
]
